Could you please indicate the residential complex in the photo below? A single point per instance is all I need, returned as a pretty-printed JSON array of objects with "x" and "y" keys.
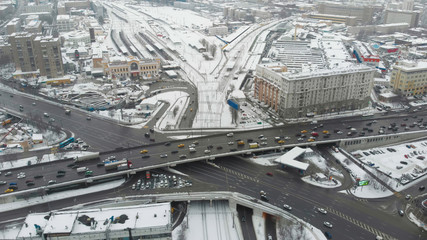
[{"x": 409, "y": 78}]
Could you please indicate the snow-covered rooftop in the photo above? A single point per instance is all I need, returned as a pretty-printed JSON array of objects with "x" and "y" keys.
[{"x": 289, "y": 159}]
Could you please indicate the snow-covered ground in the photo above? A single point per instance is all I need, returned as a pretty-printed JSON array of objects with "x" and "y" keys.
[
  {"x": 406, "y": 162},
  {"x": 8, "y": 165},
  {"x": 208, "y": 222},
  {"x": 324, "y": 184},
  {"x": 373, "y": 190}
]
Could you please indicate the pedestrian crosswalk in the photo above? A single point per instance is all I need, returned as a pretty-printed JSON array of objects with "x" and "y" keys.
[
  {"x": 239, "y": 174},
  {"x": 361, "y": 224}
]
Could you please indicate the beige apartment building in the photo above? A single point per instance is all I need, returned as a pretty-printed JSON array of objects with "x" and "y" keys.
[
  {"x": 36, "y": 55},
  {"x": 307, "y": 93},
  {"x": 409, "y": 78}
]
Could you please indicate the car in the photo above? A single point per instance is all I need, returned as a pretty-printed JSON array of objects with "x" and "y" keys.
[
  {"x": 328, "y": 235},
  {"x": 269, "y": 174},
  {"x": 207, "y": 151},
  {"x": 51, "y": 182},
  {"x": 421, "y": 188},
  {"x": 29, "y": 184},
  {"x": 133, "y": 186},
  {"x": 401, "y": 213},
  {"x": 264, "y": 198},
  {"x": 230, "y": 134},
  {"x": 233, "y": 150},
  {"x": 260, "y": 136},
  {"x": 219, "y": 148},
  {"x": 287, "y": 207},
  {"x": 322, "y": 211},
  {"x": 143, "y": 151},
  {"x": 403, "y": 162},
  {"x": 263, "y": 143},
  {"x": 281, "y": 141},
  {"x": 163, "y": 155},
  {"x": 21, "y": 175},
  {"x": 88, "y": 118},
  {"x": 183, "y": 156},
  {"x": 304, "y": 131},
  {"x": 34, "y": 104},
  {"x": 181, "y": 145},
  {"x": 152, "y": 140},
  {"x": 327, "y": 224},
  {"x": 8, "y": 174},
  {"x": 269, "y": 237},
  {"x": 243, "y": 219},
  {"x": 3, "y": 182},
  {"x": 407, "y": 197},
  {"x": 151, "y": 130},
  {"x": 147, "y": 135},
  {"x": 8, "y": 190},
  {"x": 263, "y": 139},
  {"x": 167, "y": 143},
  {"x": 46, "y": 115},
  {"x": 145, "y": 156},
  {"x": 100, "y": 164},
  {"x": 209, "y": 146},
  {"x": 230, "y": 143}
]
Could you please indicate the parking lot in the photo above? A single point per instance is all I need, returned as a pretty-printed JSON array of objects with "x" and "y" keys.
[{"x": 156, "y": 181}]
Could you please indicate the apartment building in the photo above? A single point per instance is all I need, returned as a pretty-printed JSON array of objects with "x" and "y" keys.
[
  {"x": 409, "y": 78},
  {"x": 36, "y": 55},
  {"x": 321, "y": 91}
]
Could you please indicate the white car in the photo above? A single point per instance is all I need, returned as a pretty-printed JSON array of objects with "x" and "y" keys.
[
  {"x": 287, "y": 207},
  {"x": 327, "y": 224},
  {"x": 230, "y": 143},
  {"x": 263, "y": 139},
  {"x": 163, "y": 155},
  {"x": 287, "y": 138},
  {"x": 207, "y": 151},
  {"x": 322, "y": 211},
  {"x": 21, "y": 175},
  {"x": 230, "y": 134},
  {"x": 263, "y": 143}
]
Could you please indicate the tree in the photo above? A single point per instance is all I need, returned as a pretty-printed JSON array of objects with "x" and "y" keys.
[
  {"x": 175, "y": 111},
  {"x": 212, "y": 50}
]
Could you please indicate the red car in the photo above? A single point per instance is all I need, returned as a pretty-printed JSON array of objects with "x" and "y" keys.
[{"x": 269, "y": 174}]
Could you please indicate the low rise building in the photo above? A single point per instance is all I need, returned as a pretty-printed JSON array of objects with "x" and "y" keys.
[
  {"x": 409, "y": 78},
  {"x": 131, "y": 67},
  {"x": 64, "y": 23},
  {"x": 151, "y": 221}
]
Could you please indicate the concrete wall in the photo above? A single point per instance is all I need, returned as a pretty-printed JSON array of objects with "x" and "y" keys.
[{"x": 380, "y": 140}]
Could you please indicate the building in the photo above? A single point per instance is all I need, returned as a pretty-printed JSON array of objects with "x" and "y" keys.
[
  {"x": 131, "y": 67},
  {"x": 219, "y": 30},
  {"x": 267, "y": 85},
  {"x": 151, "y": 221},
  {"x": 5, "y": 50},
  {"x": 364, "y": 54},
  {"x": 398, "y": 16},
  {"x": 13, "y": 26},
  {"x": 347, "y": 20},
  {"x": 409, "y": 78},
  {"x": 35, "y": 55},
  {"x": 64, "y": 23},
  {"x": 363, "y": 13},
  {"x": 305, "y": 93},
  {"x": 34, "y": 26},
  {"x": 38, "y": 8}
]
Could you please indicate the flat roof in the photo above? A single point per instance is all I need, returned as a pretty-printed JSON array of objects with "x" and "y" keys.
[{"x": 288, "y": 159}]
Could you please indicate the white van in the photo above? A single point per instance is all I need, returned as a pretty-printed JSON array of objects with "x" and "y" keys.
[
  {"x": 192, "y": 150},
  {"x": 82, "y": 169}
]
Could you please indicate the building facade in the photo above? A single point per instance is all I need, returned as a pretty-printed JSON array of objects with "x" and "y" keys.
[
  {"x": 64, "y": 23},
  {"x": 35, "y": 55},
  {"x": 363, "y": 13},
  {"x": 296, "y": 95},
  {"x": 409, "y": 78},
  {"x": 131, "y": 67},
  {"x": 398, "y": 16}
]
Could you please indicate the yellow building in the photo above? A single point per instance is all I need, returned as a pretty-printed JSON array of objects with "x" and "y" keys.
[
  {"x": 409, "y": 78},
  {"x": 131, "y": 67}
]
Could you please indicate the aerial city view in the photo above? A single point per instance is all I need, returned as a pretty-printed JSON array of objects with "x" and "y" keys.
[{"x": 213, "y": 120}]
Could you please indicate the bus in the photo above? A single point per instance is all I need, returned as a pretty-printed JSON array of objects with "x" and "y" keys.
[
  {"x": 66, "y": 142},
  {"x": 367, "y": 115}
]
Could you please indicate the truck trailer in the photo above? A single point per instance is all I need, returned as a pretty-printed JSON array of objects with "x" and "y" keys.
[{"x": 114, "y": 164}]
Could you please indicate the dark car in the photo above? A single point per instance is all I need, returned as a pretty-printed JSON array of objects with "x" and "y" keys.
[
  {"x": 151, "y": 130},
  {"x": 233, "y": 150},
  {"x": 100, "y": 164},
  {"x": 174, "y": 151},
  {"x": 152, "y": 140},
  {"x": 250, "y": 140},
  {"x": 421, "y": 188},
  {"x": 38, "y": 176},
  {"x": 167, "y": 143},
  {"x": 145, "y": 156},
  {"x": 328, "y": 235},
  {"x": 30, "y": 184},
  {"x": 264, "y": 198},
  {"x": 219, "y": 147},
  {"x": 147, "y": 135}
]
